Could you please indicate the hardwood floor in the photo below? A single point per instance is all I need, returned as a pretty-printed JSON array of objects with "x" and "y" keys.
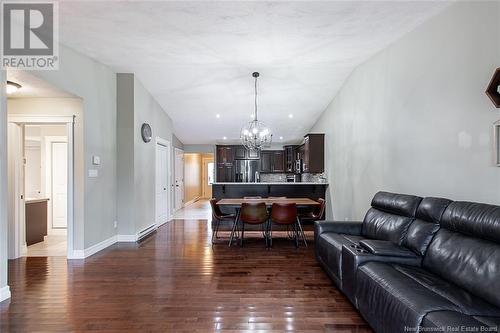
[{"x": 175, "y": 281}]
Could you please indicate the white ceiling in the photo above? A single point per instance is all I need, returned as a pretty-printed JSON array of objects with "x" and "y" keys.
[
  {"x": 196, "y": 58},
  {"x": 32, "y": 86}
]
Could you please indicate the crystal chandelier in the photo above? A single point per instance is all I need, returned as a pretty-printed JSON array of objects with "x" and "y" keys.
[{"x": 255, "y": 134}]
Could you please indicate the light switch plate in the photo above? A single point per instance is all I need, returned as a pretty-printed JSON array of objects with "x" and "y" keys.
[
  {"x": 93, "y": 173},
  {"x": 96, "y": 160}
]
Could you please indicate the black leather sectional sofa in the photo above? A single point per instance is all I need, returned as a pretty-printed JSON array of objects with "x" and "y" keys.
[{"x": 413, "y": 264}]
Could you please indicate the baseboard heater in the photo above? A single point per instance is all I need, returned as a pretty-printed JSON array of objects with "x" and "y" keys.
[{"x": 143, "y": 233}]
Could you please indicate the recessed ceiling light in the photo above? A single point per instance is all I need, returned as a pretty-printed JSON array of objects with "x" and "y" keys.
[
  {"x": 12, "y": 87},
  {"x": 224, "y": 138},
  {"x": 281, "y": 138},
  {"x": 252, "y": 115},
  {"x": 290, "y": 115},
  {"x": 217, "y": 115}
]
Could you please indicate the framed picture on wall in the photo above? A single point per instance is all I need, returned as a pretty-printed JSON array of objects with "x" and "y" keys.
[{"x": 496, "y": 133}]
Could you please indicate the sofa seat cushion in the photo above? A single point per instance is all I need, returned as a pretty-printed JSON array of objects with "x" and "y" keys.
[
  {"x": 468, "y": 304},
  {"x": 407, "y": 294},
  {"x": 452, "y": 321},
  {"x": 390, "y": 300},
  {"x": 329, "y": 250}
]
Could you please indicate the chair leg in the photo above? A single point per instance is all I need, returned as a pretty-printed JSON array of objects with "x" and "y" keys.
[
  {"x": 233, "y": 230},
  {"x": 215, "y": 231},
  {"x": 302, "y": 232},
  {"x": 242, "y": 233},
  {"x": 296, "y": 240},
  {"x": 270, "y": 234}
]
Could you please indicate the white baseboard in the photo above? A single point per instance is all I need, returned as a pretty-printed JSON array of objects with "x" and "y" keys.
[
  {"x": 162, "y": 222},
  {"x": 82, "y": 254},
  {"x": 4, "y": 293},
  {"x": 191, "y": 201},
  {"x": 99, "y": 246},
  {"x": 126, "y": 238}
]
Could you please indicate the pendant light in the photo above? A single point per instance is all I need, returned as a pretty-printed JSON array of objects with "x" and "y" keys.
[{"x": 255, "y": 134}]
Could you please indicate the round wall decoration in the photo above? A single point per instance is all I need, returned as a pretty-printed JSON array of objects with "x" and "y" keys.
[{"x": 146, "y": 132}]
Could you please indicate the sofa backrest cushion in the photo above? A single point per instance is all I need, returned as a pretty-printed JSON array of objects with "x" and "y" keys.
[
  {"x": 466, "y": 249},
  {"x": 421, "y": 231},
  {"x": 390, "y": 216}
]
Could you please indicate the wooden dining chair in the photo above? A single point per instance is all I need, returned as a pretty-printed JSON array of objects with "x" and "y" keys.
[
  {"x": 254, "y": 214},
  {"x": 217, "y": 217},
  {"x": 284, "y": 214}
]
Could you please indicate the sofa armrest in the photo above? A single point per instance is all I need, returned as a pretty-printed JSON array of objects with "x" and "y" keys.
[
  {"x": 339, "y": 227},
  {"x": 386, "y": 248}
]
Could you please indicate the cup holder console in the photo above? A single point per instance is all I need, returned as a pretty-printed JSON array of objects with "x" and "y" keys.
[
  {"x": 362, "y": 251},
  {"x": 356, "y": 246}
]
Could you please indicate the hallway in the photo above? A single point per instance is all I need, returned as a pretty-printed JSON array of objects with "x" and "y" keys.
[{"x": 199, "y": 210}]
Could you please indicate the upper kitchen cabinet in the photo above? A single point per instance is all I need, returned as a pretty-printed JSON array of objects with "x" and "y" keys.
[
  {"x": 289, "y": 158},
  {"x": 312, "y": 153},
  {"x": 272, "y": 161},
  {"x": 240, "y": 152},
  {"x": 225, "y": 154}
]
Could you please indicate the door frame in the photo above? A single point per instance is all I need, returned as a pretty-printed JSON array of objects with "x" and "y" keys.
[
  {"x": 168, "y": 145},
  {"x": 204, "y": 180},
  {"x": 180, "y": 151},
  {"x": 17, "y": 234}
]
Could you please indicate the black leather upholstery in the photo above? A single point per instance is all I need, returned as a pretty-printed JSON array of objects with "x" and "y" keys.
[
  {"x": 390, "y": 216},
  {"x": 386, "y": 248},
  {"x": 423, "y": 229},
  {"x": 430, "y": 263}
]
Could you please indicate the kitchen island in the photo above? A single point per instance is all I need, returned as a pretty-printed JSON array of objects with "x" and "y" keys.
[
  {"x": 278, "y": 189},
  {"x": 309, "y": 190}
]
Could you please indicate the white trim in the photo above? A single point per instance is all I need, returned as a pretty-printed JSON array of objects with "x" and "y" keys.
[
  {"x": 36, "y": 119},
  {"x": 126, "y": 238},
  {"x": 4, "y": 293},
  {"x": 82, "y": 254},
  {"x": 192, "y": 201},
  {"x": 99, "y": 246},
  {"x": 163, "y": 222},
  {"x": 496, "y": 142}
]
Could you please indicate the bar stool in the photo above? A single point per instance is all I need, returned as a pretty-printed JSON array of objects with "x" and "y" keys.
[
  {"x": 217, "y": 217},
  {"x": 284, "y": 214},
  {"x": 255, "y": 214}
]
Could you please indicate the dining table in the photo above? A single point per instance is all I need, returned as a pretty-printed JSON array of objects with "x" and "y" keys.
[{"x": 237, "y": 202}]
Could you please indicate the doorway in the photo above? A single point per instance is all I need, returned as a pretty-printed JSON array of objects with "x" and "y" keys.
[
  {"x": 179, "y": 179},
  {"x": 40, "y": 185},
  {"x": 208, "y": 176},
  {"x": 162, "y": 180}
]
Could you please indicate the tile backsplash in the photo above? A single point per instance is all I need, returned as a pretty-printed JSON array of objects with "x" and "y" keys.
[{"x": 281, "y": 177}]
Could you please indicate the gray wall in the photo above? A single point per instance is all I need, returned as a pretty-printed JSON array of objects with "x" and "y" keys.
[
  {"x": 147, "y": 110},
  {"x": 95, "y": 83},
  {"x": 3, "y": 186},
  {"x": 199, "y": 149},
  {"x": 136, "y": 159},
  {"x": 125, "y": 150},
  {"x": 415, "y": 118}
]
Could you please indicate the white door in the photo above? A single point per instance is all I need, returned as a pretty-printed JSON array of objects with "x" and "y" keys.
[
  {"x": 59, "y": 184},
  {"x": 179, "y": 178},
  {"x": 162, "y": 211}
]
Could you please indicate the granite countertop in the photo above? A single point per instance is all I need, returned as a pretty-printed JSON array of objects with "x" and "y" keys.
[{"x": 273, "y": 183}]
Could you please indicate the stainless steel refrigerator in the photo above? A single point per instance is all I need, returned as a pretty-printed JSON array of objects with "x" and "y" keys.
[{"x": 246, "y": 171}]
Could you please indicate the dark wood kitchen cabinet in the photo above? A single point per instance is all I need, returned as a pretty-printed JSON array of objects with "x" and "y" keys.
[
  {"x": 240, "y": 152},
  {"x": 225, "y": 154},
  {"x": 272, "y": 161},
  {"x": 225, "y": 173},
  {"x": 312, "y": 153},
  {"x": 290, "y": 158}
]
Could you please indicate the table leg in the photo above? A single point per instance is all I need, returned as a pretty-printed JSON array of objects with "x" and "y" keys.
[{"x": 235, "y": 223}]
